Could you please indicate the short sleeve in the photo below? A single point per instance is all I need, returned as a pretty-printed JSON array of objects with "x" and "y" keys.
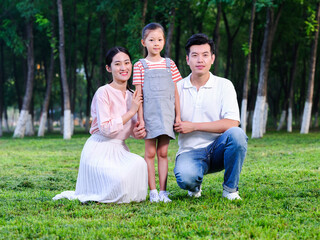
[
  {"x": 230, "y": 107},
  {"x": 176, "y": 76},
  {"x": 137, "y": 74}
]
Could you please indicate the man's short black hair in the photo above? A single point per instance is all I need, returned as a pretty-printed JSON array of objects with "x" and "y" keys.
[{"x": 199, "y": 39}]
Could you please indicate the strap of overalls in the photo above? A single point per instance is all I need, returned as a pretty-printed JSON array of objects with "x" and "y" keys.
[
  {"x": 144, "y": 63},
  {"x": 168, "y": 63}
]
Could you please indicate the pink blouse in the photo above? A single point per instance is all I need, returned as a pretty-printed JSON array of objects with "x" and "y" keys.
[{"x": 107, "y": 107}]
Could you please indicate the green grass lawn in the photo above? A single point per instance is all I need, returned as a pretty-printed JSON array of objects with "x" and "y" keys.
[{"x": 279, "y": 184}]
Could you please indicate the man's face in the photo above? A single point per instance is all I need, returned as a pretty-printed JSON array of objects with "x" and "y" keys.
[{"x": 200, "y": 59}]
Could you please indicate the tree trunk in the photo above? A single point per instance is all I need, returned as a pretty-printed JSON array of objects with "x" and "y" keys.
[
  {"x": 21, "y": 125},
  {"x": 86, "y": 70},
  {"x": 103, "y": 44},
  {"x": 50, "y": 76},
  {"x": 144, "y": 12},
  {"x": 2, "y": 77},
  {"x": 170, "y": 33},
  {"x": 230, "y": 38},
  {"x": 66, "y": 96},
  {"x": 177, "y": 45},
  {"x": 16, "y": 82},
  {"x": 308, "y": 103},
  {"x": 292, "y": 77},
  {"x": 258, "y": 122},
  {"x": 282, "y": 119},
  {"x": 316, "y": 108},
  {"x": 216, "y": 38},
  {"x": 73, "y": 64},
  {"x": 247, "y": 71}
]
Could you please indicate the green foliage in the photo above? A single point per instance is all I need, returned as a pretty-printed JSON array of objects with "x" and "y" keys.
[
  {"x": 27, "y": 8},
  {"x": 245, "y": 49},
  {"x": 9, "y": 33},
  {"x": 311, "y": 23},
  {"x": 45, "y": 25},
  {"x": 279, "y": 185}
]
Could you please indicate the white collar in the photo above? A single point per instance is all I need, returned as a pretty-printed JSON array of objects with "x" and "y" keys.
[{"x": 209, "y": 83}]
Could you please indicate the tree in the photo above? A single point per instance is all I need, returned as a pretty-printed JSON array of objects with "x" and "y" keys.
[
  {"x": 230, "y": 37},
  {"x": 216, "y": 37},
  {"x": 291, "y": 90},
  {"x": 247, "y": 70},
  {"x": 170, "y": 33},
  {"x": 1, "y": 83},
  {"x": 260, "y": 107},
  {"x": 313, "y": 55},
  {"x": 50, "y": 76},
  {"x": 21, "y": 125},
  {"x": 64, "y": 82}
]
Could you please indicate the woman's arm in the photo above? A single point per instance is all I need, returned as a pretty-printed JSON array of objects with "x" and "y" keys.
[
  {"x": 111, "y": 125},
  {"x": 135, "y": 105}
]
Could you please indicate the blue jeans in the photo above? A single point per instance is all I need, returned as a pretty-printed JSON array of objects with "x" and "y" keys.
[{"x": 227, "y": 152}]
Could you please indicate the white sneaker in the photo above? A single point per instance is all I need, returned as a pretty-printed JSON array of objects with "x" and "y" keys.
[
  {"x": 163, "y": 196},
  {"x": 231, "y": 196},
  {"x": 154, "y": 197},
  {"x": 195, "y": 194}
]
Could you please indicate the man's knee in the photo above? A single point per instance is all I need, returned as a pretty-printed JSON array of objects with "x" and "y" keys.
[
  {"x": 188, "y": 178},
  {"x": 237, "y": 137}
]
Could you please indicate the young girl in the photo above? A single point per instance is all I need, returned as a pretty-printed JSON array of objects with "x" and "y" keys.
[
  {"x": 108, "y": 172},
  {"x": 156, "y": 78}
]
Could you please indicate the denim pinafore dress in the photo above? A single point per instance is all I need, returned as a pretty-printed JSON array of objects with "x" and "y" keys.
[{"x": 158, "y": 101}]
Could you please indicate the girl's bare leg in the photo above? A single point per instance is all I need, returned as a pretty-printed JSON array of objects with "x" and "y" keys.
[
  {"x": 162, "y": 153},
  {"x": 150, "y": 153}
]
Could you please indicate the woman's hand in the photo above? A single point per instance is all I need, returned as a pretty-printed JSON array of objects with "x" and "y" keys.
[{"x": 136, "y": 101}]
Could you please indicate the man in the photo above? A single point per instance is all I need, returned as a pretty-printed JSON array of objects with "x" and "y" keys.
[{"x": 209, "y": 137}]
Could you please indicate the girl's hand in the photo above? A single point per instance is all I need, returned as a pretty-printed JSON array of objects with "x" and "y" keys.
[
  {"x": 178, "y": 119},
  {"x": 141, "y": 123},
  {"x": 136, "y": 101}
]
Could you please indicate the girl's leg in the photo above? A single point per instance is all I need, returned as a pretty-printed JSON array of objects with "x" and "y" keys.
[
  {"x": 162, "y": 153},
  {"x": 149, "y": 155}
]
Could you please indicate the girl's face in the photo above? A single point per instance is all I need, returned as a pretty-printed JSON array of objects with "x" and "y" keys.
[
  {"x": 154, "y": 42},
  {"x": 120, "y": 68}
]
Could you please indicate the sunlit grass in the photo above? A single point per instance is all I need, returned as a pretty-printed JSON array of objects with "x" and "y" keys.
[{"x": 280, "y": 187}]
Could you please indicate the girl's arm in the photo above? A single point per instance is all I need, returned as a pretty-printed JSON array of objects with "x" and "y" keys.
[
  {"x": 177, "y": 104},
  {"x": 140, "y": 111}
]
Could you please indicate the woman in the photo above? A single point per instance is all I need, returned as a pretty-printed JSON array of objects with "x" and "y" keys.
[{"x": 108, "y": 172}]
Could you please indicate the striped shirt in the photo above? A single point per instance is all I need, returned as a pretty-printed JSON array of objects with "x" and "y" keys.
[{"x": 138, "y": 70}]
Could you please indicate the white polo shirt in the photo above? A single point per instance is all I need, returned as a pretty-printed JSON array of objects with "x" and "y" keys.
[{"x": 216, "y": 100}]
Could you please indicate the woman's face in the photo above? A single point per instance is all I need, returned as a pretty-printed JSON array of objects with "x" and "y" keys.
[{"x": 120, "y": 68}]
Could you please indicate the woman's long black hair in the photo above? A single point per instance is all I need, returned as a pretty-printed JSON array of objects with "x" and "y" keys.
[{"x": 111, "y": 53}]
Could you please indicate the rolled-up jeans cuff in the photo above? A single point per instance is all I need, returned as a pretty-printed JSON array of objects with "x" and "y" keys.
[{"x": 231, "y": 190}]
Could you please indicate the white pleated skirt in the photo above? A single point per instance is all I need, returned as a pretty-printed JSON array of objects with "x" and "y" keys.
[{"x": 109, "y": 173}]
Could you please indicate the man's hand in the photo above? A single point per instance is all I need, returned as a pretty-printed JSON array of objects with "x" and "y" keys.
[
  {"x": 184, "y": 127},
  {"x": 139, "y": 131}
]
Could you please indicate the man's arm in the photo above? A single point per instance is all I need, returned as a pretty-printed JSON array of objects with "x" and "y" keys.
[{"x": 218, "y": 126}]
